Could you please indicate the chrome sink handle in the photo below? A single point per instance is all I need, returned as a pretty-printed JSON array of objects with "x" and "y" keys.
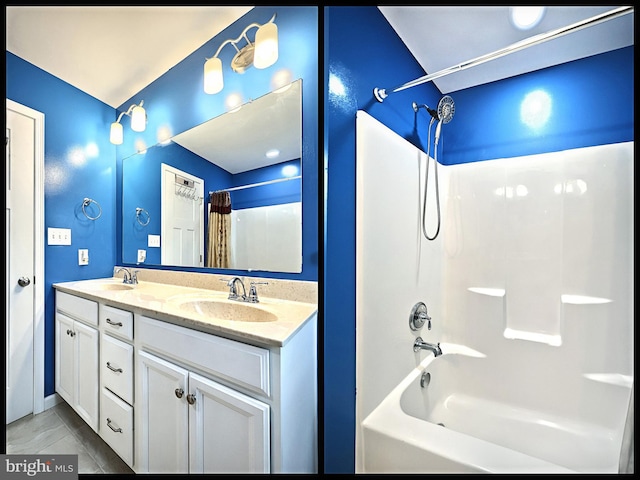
[{"x": 253, "y": 292}]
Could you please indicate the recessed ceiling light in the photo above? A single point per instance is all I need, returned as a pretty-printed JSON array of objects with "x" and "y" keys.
[
  {"x": 526, "y": 18},
  {"x": 273, "y": 153}
]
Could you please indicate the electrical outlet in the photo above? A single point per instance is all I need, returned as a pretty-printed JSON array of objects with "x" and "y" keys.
[
  {"x": 153, "y": 240},
  {"x": 83, "y": 256},
  {"x": 142, "y": 255},
  {"x": 58, "y": 236}
]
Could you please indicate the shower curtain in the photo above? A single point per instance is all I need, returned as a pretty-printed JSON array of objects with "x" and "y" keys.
[{"x": 219, "y": 235}]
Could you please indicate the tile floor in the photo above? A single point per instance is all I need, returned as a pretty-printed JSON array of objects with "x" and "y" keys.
[{"x": 59, "y": 430}]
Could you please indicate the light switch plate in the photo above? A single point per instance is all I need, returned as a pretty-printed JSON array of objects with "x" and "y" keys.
[
  {"x": 153, "y": 240},
  {"x": 58, "y": 236},
  {"x": 83, "y": 256}
]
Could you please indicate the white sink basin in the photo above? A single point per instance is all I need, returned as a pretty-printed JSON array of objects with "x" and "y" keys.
[
  {"x": 112, "y": 286},
  {"x": 225, "y": 310}
]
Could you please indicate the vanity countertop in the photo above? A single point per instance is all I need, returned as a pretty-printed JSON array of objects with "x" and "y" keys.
[{"x": 161, "y": 301}]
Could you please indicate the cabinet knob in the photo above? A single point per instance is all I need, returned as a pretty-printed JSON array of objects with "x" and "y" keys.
[
  {"x": 191, "y": 398},
  {"x": 179, "y": 392}
]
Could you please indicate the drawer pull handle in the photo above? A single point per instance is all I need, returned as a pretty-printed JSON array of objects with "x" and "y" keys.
[
  {"x": 191, "y": 398},
  {"x": 118, "y": 370},
  {"x": 117, "y": 430},
  {"x": 117, "y": 324},
  {"x": 179, "y": 392}
]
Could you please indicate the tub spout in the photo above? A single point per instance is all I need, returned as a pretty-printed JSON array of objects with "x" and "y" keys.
[{"x": 420, "y": 344}]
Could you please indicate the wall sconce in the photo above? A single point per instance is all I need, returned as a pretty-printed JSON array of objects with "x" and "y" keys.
[
  {"x": 138, "y": 123},
  {"x": 262, "y": 54}
]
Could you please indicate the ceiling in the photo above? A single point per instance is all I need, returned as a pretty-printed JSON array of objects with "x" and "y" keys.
[
  {"x": 443, "y": 37},
  {"x": 112, "y": 53}
]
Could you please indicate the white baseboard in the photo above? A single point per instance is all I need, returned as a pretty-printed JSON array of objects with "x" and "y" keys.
[{"x": 52, "y": 401}]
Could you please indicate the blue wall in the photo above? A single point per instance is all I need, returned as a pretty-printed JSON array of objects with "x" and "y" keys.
[
  {"x": 79, "y": 163},
  {"x": 179, "y": 109},
  {"x": 592, "y": 104}
]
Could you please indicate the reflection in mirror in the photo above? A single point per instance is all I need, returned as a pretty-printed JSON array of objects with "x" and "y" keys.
[{"x": 224, "y": 194}]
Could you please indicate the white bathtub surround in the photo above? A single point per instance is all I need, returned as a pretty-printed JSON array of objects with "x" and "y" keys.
[{"x": 533, "y": 269}]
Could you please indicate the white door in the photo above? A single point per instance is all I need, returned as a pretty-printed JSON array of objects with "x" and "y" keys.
[
  {"x": 182, "y": 218},
  {"x": 228, "y": 431},
  {"x": 24, "y": 301},
  {"x": 162, "y": 417}
]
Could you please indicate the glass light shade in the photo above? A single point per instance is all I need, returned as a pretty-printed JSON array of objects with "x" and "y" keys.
[
  {"x": 266, "y": 49},
  {"x": 138, "y": 119},
  {"x": 213, "y": 81},
  {"x": 116, "y": 134}
]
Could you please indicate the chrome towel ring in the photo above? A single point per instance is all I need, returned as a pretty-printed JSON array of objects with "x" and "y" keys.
[
  {"x": 141, "y": 212},
  {"x": 85, "y": 203}
]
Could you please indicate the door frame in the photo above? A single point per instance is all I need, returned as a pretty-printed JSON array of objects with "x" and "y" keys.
[{"x": 38, "y": 247}]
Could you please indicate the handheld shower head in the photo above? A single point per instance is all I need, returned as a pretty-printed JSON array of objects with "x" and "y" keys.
[{"x": 446, "y": 109}]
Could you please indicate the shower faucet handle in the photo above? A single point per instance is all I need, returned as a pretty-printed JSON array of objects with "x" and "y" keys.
[{"x": 419, "y": 316}]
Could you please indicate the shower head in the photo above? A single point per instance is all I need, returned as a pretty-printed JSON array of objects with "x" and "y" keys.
[{"x": 446, "y": 109}]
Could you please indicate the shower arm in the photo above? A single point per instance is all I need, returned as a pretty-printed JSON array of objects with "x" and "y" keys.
[{"x": 381, "y": 93}]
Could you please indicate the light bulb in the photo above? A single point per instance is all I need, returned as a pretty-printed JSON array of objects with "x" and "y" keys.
[
  {"x": 266, "y": 49},
  {"x": 116, "y": 135},
  {"x": 138, "y": 119},
  {"x": 213, "y": 81}
]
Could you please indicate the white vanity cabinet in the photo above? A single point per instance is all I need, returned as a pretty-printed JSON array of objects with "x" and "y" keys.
[
  {"x": 117, "y": 380},
  {"x": 207, "y": 404},
  {"x": 76, "y": 355},
  {"x": 179, "y": 395},
  {"x": 191, "y": 423}
]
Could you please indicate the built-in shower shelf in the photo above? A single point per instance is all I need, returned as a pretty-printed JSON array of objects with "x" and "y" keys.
[
  {"x": 583, "y": 300},
  {"x": 491, "y": 292},
  {"x": 513, "y": 334},
  {"x": 611, "y": 378}
]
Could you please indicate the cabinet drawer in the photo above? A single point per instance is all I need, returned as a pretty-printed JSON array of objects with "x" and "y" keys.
[
  {"x": 116, "y": 367},
  {"x": 242, "y": 364},
  {"x": 117, "y": 322},
  {"x": 116, "y": 425},
  {"x": 77, "y": 307}
]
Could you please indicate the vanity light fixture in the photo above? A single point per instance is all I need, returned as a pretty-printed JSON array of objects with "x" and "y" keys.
[
  {"x": 261, "y": 54},
  {"x": 138, "y": 123}
]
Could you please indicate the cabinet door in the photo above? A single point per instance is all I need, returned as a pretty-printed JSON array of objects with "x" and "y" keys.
[
  {"x": 162, "y": 417},
  {"x": 87, "y": 367},
  {"x": 65, "y": 370},
  {"x": 228, "y": 431}
]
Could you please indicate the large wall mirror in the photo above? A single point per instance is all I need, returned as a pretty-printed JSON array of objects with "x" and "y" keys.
[{"x": 224, "y": 194}]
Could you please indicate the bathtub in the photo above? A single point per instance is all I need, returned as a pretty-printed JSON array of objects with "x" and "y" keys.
[{"x": 455, "y": 427}]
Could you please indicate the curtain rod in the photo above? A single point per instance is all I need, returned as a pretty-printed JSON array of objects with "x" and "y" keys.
[
  {"x": 268, "y": 182},
  {"x": 381, "y": 93}
]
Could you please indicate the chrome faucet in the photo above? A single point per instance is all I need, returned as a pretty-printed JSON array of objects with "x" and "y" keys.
[
  {"x": 129, "y": 277},
  {"x": 420, "y": 344},
  {"x": 233, "y": 291}
]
